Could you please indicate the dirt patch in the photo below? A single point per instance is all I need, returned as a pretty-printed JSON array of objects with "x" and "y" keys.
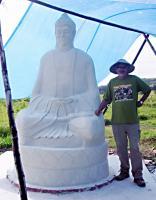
[{"x": 2, "y": 150}]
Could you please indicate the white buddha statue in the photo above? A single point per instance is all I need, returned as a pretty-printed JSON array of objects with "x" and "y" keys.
[{"x": 60, "y": 116}]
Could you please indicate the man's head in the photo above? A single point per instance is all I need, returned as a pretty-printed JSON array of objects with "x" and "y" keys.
[
  {"x": 122, "y": 68},
  {"x": 65, "y": 30}
]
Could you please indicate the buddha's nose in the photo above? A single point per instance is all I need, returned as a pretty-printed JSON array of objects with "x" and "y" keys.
[{"x": 62, "y": 34}]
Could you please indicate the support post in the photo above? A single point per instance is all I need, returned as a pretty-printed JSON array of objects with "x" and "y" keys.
[
  {"x": 150, "y": 44},
  {"x": 15, "y": 146},
  {"x": 137, "y": 55}
]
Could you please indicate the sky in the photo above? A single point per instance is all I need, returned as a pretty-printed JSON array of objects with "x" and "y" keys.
[{"x": 145, "y": 66}]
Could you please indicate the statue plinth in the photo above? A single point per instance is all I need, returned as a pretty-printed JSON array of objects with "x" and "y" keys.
[{"x": 64, "y": 167}]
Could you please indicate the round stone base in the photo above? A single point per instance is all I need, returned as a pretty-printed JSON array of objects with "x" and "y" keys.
[
  {"x": 64, "y": 167},
  {"x": 12, "y": 177}
]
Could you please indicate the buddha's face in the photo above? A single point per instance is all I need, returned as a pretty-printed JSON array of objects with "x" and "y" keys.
[{"x": 64, "y": 35}]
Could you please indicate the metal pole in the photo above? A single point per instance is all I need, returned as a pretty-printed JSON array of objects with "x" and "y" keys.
[
  {"x": 137, "y": 55},
  {"x": 149, "y": 42},
  {"x": 13, "y": 129},
  {"x": 84, "y": 16}
]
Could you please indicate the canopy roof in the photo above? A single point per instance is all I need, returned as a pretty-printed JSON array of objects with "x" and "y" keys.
[{"x": 34, "y": 35}]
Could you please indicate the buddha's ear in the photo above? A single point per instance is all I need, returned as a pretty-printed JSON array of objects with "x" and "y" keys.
[{"x": 74, "y": 32}]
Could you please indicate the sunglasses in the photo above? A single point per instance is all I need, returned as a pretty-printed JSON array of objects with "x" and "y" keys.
[{"x": 121, "y": 67}]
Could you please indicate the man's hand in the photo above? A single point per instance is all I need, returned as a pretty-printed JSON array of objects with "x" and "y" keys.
[
  {"x": 97, "y": 112},
  {"x": 139, "y": 103},
  {"x": 102, "y": 106},
  {"x": 143, "y": 98}
]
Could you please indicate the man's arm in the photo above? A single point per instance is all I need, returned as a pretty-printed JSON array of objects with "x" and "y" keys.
[
  {"x": 107, "y": 99},
  {"x": 143, "y": 98},
  {"x": 146, "y": 90},
  {"x": 103, "y": 105}
]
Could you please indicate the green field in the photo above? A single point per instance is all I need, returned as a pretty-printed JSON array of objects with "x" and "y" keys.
[
  {"x": 5, "y": 138},
  {"x": 147, "y": 115}
]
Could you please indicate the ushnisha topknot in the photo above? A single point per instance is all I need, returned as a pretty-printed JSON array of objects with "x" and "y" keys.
[{"x": 65, "y": 20}]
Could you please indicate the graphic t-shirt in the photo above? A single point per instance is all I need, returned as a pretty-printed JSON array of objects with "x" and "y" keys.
[{"x": 123, "y": 93}]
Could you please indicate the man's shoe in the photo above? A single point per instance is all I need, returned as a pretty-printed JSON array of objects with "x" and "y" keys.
[
  {"x": 121, "y": 176},
  {"x": 140, "y": 182}
]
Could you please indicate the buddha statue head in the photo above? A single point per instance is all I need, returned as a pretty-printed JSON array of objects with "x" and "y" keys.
[{"x": 65, "y": 30}]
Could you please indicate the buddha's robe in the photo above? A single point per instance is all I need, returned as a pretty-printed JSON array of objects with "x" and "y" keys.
[{"x": 63, "y": 101}]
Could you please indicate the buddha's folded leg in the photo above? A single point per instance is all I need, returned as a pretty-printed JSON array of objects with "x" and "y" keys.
[
  {"x": 33, "y": 127},
  {"x": 90, "y": 129}
]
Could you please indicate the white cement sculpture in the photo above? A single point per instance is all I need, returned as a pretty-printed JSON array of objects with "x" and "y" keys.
[{"x": 61, "y": 139}]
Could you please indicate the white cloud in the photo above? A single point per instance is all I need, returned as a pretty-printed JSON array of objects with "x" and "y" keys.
[
  {"x": 11, "y": 12},
  {"x": 145, "y": 66}
]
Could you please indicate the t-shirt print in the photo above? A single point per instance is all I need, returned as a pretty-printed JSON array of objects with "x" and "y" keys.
[{"x": 123, "y": 93}]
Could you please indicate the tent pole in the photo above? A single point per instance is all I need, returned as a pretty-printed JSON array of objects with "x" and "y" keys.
[
  {"x": 149, "y": 42},
  {"x": 84, "y": 16},
  {"x": 138, "y": 53},
  {"x": 15, "y": 146}
]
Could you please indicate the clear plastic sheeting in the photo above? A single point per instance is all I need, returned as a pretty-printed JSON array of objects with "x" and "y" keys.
[
  {"x": 34, "y": 36},
  {"x": 10, "y": 17},
  {"x": 139, "y": 14}
]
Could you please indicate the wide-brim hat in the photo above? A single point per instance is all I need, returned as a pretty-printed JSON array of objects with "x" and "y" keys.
[{"x": 121, "y": 61}]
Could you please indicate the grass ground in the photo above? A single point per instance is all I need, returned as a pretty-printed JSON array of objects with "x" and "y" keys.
[
  {"x": 147, "y": 115},
  {"x": 5, "y": 137}
]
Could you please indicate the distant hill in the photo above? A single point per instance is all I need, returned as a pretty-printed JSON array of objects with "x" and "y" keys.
[{"x": 150, "y": 81}]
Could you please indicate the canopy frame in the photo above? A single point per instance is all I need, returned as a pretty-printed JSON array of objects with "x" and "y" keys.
[
  {"x": 19, "y": 168},
  {"x": 13, "y": 129},
  {"x": 146, "y": 36}
]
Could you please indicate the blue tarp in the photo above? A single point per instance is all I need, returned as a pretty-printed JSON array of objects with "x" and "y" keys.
[{"x": 35, "y": 35}]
